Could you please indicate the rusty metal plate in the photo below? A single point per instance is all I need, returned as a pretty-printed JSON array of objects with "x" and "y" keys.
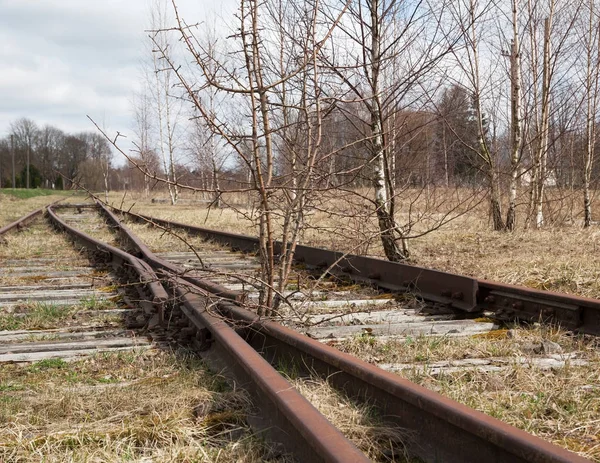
[{"x": 511, "y": 302}]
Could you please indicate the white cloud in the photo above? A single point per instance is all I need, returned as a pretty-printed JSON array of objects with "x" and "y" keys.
[{"x": 65, "y": 59}]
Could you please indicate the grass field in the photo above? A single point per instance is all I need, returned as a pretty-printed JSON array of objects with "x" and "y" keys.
[
  {"x": 17, "y": 203},
  {"x": 23, "y": 193},
  {"x": 560, "y": 404}
]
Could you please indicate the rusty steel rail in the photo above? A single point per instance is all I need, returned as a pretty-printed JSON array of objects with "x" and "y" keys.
[
  {"x": 438, "y": 428},
  {"x": 143, "y": 252},
  {"x": 26, "y": 219},
  {"x": 141, "y": 275},
  {"x": 22, "y": 222},
  {"x": 287, "y": 416},
  {"x": 506, "y": 302}
]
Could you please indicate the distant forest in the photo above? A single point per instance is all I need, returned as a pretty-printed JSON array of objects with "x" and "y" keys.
[{"x": 47, "y": 157}]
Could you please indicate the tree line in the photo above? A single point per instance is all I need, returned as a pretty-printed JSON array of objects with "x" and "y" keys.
[{"x": 47, "y": 157}]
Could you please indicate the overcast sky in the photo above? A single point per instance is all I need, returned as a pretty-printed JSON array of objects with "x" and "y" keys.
[{"x": 64, "y": 59}]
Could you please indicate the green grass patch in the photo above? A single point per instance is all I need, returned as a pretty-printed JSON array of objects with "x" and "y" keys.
[
  {"x": 11, "y": 387},
  {"x": 23, "y": 193},
  {"x": 47, "y": 364},
  {"x": 37, "y": 316},
  {"x": 98, "y": 303}
]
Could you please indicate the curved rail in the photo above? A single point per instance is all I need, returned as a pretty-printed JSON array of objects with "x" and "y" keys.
[
  {"x": 441, "y": 429},
  {"x": 141, "y": 274},
  {"x": 287, "y": 415},
  {"x": 19, "y": 223},
  {"x": 158, "y": 263}
]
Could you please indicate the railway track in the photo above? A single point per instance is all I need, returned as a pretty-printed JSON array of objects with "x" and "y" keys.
[
  {"x": 83, "y": 376},
  {"x": 463, "y": 294},
  {"x": 55, "y": 304},
  {"x": 211, "y": 313}
]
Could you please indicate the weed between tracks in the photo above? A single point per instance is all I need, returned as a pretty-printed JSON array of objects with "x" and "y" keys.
[
  {"x": 90, "y": 222},
  {"x": 515, "y": 342},
  {"x": 41, "y": 316},
  {"x": 36, "y": 316},
  {"x": 142, "y": 405},
  {"x": 40, "y": 240},
  {"x": 159, "y": 240}
]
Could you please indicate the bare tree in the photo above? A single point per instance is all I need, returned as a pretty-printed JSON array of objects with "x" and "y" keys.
[
  {"x": 143, "y": 142},
  {"x": 544, "y": 121},
  {"x": 167, "y": 105},
  {"x": 516, "y": 116},
  {"x": 73, "y": 154},
  {"x": 591, "y": 45},
  {"x": 260, "y": 60},
  {"x": 25, "y": 132},
  {"x": 473, "y": 17},
  {"x": 207, "y": 152},
  {"x": 549, "y": 32},
  {"x": 100, "y": 154},
  {"x": 378, "y": 35},
  {"x": 207, "y": 156},
  {"x": 48, "y": 146}
]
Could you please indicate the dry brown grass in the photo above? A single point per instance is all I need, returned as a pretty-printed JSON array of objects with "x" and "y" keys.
[
  {"x": 40, "y": 240},
  {"x": 358, "y": 422},
  {"x": 89, "y": 222},
  {"x": 12, "y": 208},
  {"x": 515, "y": 342},
  {"x": 561, "y": 404},
  {"x": 144, "y": 405},
  {"x": 35, "y": 316},
  {"x": 160, "y": 240},
  {"x": 44, "y": 315},
  {"x": 558, "y": 259}
]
